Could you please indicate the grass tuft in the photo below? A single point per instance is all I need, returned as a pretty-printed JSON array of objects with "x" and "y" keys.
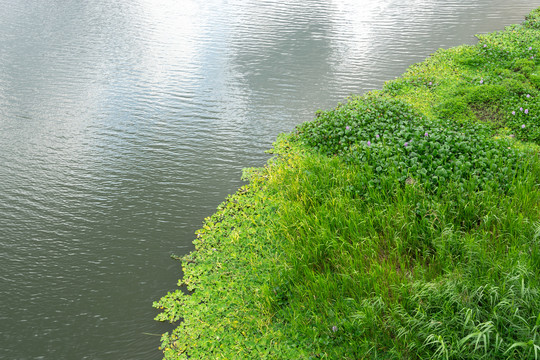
[{"x": 401, "y": 225}]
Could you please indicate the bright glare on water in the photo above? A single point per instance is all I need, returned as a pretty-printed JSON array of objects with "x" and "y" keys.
[{"x": 124, "y": 123}]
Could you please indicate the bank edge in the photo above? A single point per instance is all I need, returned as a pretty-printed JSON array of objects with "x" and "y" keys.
[{"x": 404, "y": 224}]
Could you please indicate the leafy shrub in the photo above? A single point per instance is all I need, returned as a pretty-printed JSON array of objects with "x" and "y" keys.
[
  {"x": 394, "y": 142},
  {"x": 535, "y": 77},
  {"x": 517, "y": 87},
  {"x": 389, "y": 228},
  {"x": 524, "y": 118},
  {"x": 532, "y": 20},
  {"x": 355, "y": 123},
  {"x": 524, "y": 66},
  {"x": 398, "y": 86},
  {"x": 452, "y": 108},
  {"x": 485, "y": 93},
  {"x": 471, "y": 61}
]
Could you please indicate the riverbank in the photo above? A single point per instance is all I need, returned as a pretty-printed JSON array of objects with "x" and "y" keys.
[{"x": 402, "y": 224}]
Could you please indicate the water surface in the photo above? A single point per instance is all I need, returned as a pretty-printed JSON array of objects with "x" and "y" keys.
[{"x": 124, "y": 124}]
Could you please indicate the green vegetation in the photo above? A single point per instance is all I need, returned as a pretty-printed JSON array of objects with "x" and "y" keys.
[{"x": 403, "y": 224}]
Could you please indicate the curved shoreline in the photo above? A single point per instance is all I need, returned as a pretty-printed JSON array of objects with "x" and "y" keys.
[{"x": 402, "y": 224}]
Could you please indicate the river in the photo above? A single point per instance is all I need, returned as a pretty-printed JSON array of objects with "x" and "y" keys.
[{"x": 123, "y": 124}]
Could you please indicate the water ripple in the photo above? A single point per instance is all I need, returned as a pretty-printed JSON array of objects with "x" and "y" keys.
[{"x": 124, "y": 124}]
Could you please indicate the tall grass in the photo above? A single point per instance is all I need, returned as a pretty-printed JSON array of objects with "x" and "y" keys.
[
  {"x": 404, "y": 224},
  {"x": 407, "y": 273}
]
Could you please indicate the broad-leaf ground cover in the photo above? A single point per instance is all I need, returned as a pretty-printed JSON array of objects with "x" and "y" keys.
[{"x": 403, "y": 224}]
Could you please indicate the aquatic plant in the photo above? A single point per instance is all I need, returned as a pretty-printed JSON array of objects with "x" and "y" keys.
[
  {"x": 401, "y": 225},
  {"x": 412, "y": 146}
]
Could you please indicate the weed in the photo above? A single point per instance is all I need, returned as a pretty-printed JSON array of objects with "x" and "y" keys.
[{"x": 401, "y": 225}]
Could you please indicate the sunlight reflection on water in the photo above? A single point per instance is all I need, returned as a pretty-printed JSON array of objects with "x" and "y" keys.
[{"x": 124, "y": 124}]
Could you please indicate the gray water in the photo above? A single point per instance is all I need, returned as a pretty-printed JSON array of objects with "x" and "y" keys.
[{"x": 123, "y": 124}]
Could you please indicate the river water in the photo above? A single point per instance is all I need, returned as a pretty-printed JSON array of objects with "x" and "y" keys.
[{"x": 123, "y": 124}]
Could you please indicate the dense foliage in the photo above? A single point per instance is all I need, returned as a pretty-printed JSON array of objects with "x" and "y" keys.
[
  {"x": 394, "y": 143},
  {"x": 404, "y": 224}
]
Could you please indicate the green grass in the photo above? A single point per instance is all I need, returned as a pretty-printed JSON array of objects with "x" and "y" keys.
[{"x": 404, "y": 224}]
